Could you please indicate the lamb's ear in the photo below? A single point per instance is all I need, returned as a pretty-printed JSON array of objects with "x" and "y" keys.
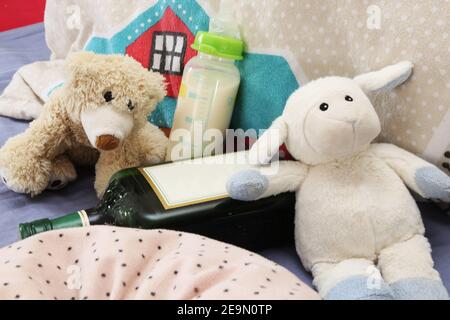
[
  {"x": 266, "y": 147},
  {"x": 385, "y": 79}
]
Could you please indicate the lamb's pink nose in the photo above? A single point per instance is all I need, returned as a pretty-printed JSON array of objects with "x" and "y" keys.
[{"x": 107, "y": 142}]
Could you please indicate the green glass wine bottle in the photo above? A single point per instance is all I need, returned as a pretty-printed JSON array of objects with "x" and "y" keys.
[{"x": 187, "y": 196}]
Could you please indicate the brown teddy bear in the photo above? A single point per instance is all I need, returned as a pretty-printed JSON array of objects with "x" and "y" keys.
[{"x": 98, "y": 117}]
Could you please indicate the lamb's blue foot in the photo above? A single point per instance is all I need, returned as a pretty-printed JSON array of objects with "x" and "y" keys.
[
  {"x": 433, "y": 182},
  {"x": 419, "y": 289},
  {"x": 357, "y": 288},
  {"x": 247, "y": 185}
]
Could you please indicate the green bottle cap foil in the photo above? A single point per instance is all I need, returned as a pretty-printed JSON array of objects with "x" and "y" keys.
[{"x": 77, "y": 219}]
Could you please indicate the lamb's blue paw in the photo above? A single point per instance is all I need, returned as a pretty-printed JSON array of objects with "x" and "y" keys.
[
  {"x": 433, "y": 183},
  {"x": 247, "y": 185},
  {"x": 357, "y": 288},
  {"x": 419, "y": 289}
]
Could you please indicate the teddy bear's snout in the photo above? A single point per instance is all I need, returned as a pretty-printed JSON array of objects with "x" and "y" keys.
[
  {"x": 107, "y": 142},
  {"x": 105, "y": 127}
]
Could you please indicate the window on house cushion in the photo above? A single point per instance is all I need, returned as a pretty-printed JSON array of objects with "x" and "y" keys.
[{"x": 169, "y": 49}]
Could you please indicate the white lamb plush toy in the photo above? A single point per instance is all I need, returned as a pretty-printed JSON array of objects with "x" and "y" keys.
[{"x": 358, "y": 229}]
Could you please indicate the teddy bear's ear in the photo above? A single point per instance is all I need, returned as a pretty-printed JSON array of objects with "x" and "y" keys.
[
  {"x": 77, "y": 59},
  {"x": 267, "y": 146},
  {"x": 155, "y": 85},
  {"x": 385, "y": 79},
  {"x": 76, "y": 66}
]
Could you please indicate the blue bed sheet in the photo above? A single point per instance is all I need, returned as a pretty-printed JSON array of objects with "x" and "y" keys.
[{"x": 26, "y": 45}]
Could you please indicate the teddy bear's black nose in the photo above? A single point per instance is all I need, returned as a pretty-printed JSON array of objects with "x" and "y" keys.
[{"x": 130, "y": 105}]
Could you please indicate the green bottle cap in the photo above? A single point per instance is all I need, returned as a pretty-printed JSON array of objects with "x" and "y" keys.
[
  {"x": 29, "y": 229},
  {"x": 73, "y": 220},
  {"x": 217, "y": 45}
]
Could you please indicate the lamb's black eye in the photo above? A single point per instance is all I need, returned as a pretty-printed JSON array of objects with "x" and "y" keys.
[
  {"x": 130, "y": 105},
  {"x": 108, "y": 96},
  {"x": 348, "y": 98},
  {"x": 324, "y": 106}
]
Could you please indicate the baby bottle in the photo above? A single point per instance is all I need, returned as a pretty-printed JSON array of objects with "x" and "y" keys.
[{"x": 208, "y": 90}]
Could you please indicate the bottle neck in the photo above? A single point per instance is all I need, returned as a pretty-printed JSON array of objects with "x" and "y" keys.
[
  {"x": 82, "y": 218},
  {"x": 211, "y": 57}
]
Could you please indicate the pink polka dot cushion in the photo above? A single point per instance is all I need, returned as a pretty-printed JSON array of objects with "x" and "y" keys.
[{"x": 118, "y": 263}]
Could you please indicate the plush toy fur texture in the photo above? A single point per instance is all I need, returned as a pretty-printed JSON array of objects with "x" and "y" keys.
[
  {"x": 358, "y": 229},
  {"x": 98, "y": 117}
]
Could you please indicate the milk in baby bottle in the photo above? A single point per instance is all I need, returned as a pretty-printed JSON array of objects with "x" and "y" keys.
[{"x": 208, "y": 91}]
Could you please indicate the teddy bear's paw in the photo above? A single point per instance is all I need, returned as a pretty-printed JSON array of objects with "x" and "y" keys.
[
  {"x": 23, "y": 171},
  {"x": 156, "y": 154},
  {"x": 247, "y": 185},
  {"x": 28, "y": 182},
  {"x": 57, "y": 184},
  {"x": 9, "y": 183},
  {"x": 433, "y": 183},
  {"x": 419, "y": 289},
  {"x": 154, "y": 158},
  {"x": 63, "y": 172}
]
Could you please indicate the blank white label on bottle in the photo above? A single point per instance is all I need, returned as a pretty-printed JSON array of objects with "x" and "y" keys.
[{"x": 195, "y": 181}]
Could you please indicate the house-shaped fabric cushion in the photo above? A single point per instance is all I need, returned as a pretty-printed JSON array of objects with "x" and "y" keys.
[{"x": 160, "y": 38}]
